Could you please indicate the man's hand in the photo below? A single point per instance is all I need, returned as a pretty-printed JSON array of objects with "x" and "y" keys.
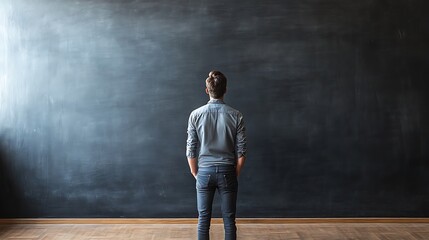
[{"x": 193, "y": 166}]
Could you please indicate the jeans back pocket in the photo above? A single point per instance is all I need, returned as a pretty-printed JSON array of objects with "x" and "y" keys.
[
  {"x": 230, "y": 180},
  {"x": 203, "y": 180}
]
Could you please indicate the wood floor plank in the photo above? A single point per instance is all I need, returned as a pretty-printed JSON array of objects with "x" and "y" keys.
[{"x": 319, "y": 231}]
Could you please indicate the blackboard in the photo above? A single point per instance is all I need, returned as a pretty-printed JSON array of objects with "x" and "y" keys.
[{"x": 95, "y": 97}]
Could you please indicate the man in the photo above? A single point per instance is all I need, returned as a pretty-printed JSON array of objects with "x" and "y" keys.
[{"x": 217, "y": 144}]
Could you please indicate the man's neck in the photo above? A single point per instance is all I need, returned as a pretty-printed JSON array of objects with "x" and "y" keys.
[{"x": 216, "y": 98}]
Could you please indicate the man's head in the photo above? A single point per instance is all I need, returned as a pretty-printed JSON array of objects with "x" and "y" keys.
[{"x": 216, "y": 84}]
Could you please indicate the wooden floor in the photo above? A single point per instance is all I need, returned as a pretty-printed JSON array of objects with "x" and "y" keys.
[{"x": 331, "y": 231}]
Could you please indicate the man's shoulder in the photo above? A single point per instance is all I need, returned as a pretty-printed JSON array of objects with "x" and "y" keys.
[
  {"x": 199, "y": 110},
  {"x": 232, "y": 110}
]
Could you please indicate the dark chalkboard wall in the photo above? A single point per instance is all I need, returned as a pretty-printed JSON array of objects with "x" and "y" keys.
[{"x": 95, "y": 96}]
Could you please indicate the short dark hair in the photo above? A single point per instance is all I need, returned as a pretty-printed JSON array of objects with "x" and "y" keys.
[{"x": 216, "y": 84}]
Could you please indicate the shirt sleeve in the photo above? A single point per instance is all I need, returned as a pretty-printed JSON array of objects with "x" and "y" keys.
[
  {"x": 241, "y": 142},
  {"x": 192, "y": 141}
]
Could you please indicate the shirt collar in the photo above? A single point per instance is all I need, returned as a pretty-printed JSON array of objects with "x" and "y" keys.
[{"x": 216, "y": 101}]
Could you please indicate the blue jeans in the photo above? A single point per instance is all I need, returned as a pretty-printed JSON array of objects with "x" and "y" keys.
[{"x": 224, "y": 179}]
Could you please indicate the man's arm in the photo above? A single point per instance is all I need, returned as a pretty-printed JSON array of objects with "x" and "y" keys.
[
  {"x": 241, "y": 145},
  {"x": 191, "y": 147}
]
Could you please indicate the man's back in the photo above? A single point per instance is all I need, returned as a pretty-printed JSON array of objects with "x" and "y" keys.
[{"x": 220, "y": 131}]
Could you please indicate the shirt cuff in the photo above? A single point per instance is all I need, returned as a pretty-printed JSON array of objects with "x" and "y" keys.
[{"x": 191, "y": 154}]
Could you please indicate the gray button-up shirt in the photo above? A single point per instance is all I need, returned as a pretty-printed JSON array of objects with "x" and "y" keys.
[{"x": 216, "y": 131}]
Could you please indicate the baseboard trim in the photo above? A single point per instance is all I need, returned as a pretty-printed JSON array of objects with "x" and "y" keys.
[{"x": 214, "y": 221}]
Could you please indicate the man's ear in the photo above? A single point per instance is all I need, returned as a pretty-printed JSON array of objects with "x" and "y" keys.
[{"x": 207, "y": 91}]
